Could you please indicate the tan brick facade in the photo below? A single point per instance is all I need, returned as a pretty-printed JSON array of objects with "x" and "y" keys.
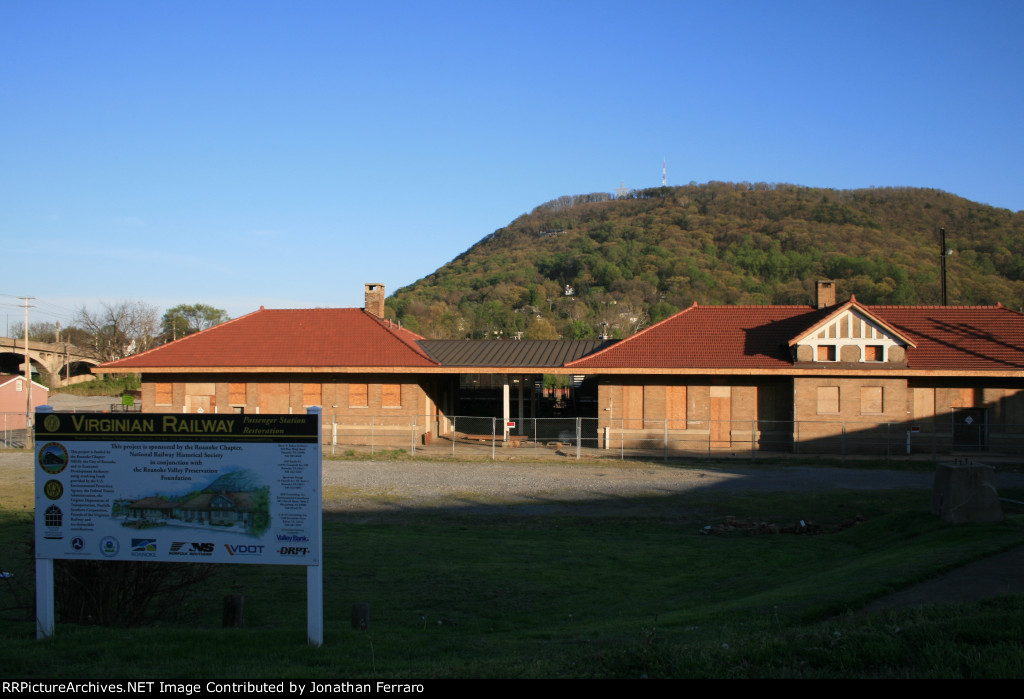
[
  {"x": 718, "y": 410},
  {"x": 391, "y": 402}
]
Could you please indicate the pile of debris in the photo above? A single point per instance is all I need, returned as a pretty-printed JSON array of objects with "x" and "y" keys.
[{"x": 733, "y": 524}]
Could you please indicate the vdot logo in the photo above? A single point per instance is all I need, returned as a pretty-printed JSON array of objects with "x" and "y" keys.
[{"x": 244, "y": 549}]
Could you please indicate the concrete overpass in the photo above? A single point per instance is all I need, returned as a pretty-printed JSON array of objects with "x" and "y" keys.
[{"x": 55, "y": 364}]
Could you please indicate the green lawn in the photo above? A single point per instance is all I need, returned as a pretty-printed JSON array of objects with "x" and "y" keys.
[{"x": 490, "y": 594}]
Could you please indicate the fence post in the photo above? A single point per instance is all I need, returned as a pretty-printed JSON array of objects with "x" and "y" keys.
[
  {"x": 664, "y": 453},
  {"x": 579, "y": 437},
  {"x": 842, "y": 442},
  {"x": 371, "y": 436},
  {"x": 412, "y": 430},
  {"x": 334, "y": 433},
  {"x": 622, "y": 440},
  {"x": 753, "y": 441},
  {"x": 453, "y": 435},
  {"x": 494, "y": 435}
]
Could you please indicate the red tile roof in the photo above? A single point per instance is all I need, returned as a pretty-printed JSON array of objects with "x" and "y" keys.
[
  {"x": 972, "y": 338},
  {"x": 711, "y": 337},
  {"x": 313, "y": 337},
  {"x": 981, "y": 338}
]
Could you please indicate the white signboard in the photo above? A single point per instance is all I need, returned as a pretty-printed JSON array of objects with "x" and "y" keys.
[{"x": 179, "y": 487}]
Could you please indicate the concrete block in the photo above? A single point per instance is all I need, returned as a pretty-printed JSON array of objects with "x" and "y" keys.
[{"x": 966, "y": 493}]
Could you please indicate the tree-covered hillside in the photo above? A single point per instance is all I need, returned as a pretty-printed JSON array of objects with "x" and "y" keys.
[{"x": 633, "y": 260}]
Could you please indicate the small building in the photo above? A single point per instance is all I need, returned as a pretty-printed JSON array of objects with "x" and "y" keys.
[{"x": 14, "y": 400}]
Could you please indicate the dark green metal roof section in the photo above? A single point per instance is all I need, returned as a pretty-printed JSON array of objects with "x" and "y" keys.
[{"x": 510, "y": 353}]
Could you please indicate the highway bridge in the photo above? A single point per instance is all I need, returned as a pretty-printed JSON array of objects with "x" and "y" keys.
[{"x": 53, "y": 364}]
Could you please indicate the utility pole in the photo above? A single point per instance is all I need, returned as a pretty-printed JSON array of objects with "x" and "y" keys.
[
  {"x": 28, "y": 376},
  {"x": 943, "y": 253}
]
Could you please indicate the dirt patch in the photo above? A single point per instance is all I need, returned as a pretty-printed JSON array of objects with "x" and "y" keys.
[{"x": 801, "y": 528}]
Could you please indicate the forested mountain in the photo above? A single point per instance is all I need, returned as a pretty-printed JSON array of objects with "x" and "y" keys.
[{"x": 579, "y": 266}]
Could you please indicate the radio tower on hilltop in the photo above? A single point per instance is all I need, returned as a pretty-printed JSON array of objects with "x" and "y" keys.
[{"x": 664, "y": 173}]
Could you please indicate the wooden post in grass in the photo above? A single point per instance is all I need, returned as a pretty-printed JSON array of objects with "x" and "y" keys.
[
  {"x": 361, "y": 616},
  {"x": 233, "y": 611}
]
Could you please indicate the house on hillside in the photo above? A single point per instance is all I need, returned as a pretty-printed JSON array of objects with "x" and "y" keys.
[{"x": 709, "y": 378}]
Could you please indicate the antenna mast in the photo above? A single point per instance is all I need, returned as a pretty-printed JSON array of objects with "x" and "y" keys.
[{"x": 664, "y": 172}]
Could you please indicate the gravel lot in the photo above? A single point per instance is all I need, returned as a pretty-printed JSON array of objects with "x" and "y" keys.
[
  {"x": 375, "y": 485},
  {"x": 362, "y": 486}
]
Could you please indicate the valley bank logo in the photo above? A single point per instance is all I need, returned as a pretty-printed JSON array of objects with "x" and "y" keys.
[
  {"x": 245, "y": 549},
  {"x": 292, "y": 538}
]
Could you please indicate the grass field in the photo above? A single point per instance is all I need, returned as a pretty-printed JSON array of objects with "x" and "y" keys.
[{"x": 498, "y": 595}]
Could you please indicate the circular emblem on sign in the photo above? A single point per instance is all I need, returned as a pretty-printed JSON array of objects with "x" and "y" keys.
[
  {"x": 109, "y": 546},
  {"x": 53, "y": 489},
  {"x": 78, "y": 543},
  {"x": 51, "y": 423},
  {"x": 53, "y": 457}
]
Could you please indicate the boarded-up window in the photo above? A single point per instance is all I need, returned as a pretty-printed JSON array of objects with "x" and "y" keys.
[
  {"x": 721, "y": 417},
  {"x": 962, "y": 398},
  {"x": 675, "y": 407},
  {"x": 236, "y": 393},
  {"x": 828, "y": 400},
  {"x": 871, "y": 400},
  {"x": 311, "y": 394},
  {"x": 358, "y": 395},
  {"x": 826, "y": 353},
  {"x": 924, "y": 403},
  {"x": 391, "y": 395},
  {"x": 273, "y": 398},
  {"x": 633, "y": 407},
  {"x": 163, "y": 394},
  {"x": 873, "y": 353}
]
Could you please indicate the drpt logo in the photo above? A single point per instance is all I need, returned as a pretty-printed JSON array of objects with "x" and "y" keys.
[
  {"x": 244, "y": 549},
  {"x": 192, "y": 548},
  {"x": 293, "y": 551}
]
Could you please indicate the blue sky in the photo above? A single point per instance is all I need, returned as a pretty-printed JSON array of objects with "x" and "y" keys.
[{"x": 284, "y": 153}]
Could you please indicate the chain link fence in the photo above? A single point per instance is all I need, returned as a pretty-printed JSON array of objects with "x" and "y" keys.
[
  {"x": 489, "y": 437},
  {"x": 12, "y": 430}
]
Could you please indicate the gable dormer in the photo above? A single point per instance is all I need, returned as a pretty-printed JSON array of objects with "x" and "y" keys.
[{"x": 851, "y": 336}]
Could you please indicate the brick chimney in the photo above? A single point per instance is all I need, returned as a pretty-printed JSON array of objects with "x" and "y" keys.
[
  {"x": 825, "y": 293},
  {"x": 374, "y": 299}
]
